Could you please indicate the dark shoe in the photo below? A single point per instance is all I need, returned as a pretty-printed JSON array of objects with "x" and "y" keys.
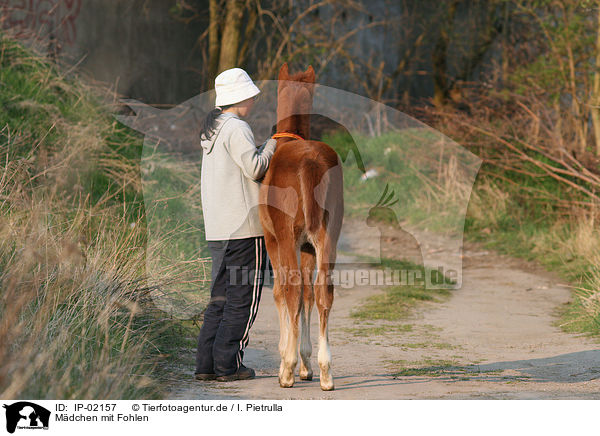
[
  {"x": 242, "y": 373},
  {"x": 206, "y": 377}
]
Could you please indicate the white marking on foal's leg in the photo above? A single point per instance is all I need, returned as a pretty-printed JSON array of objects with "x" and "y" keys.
[
  {"x": 324, "y": 355},
  {"x": 306, "y": 372},
  {"x": 283, "y": 320},
  {"x": 290, "y": 356},
  {"x": 283, "y": 334},
  {"x": 324, "y": 358}
]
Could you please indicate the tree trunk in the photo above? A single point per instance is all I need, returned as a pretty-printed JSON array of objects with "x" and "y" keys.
[
  {"x": 213, "y": 41},
  {"x": 505, "y": 46},
  {"x": 485, "y": 38},
  {"x": 595, "y": 100},
  {"x": 231, "y": 35},
  {"x": 248, "y": 33},
  {"x": 439, "y": 57},
  {"x": 580, "y": 119}
]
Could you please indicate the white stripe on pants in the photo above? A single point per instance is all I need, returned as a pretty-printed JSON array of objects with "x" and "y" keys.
[{"x": 255, "y": 298}]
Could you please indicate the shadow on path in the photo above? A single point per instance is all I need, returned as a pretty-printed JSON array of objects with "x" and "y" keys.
[{"x": 576, "y": 367}]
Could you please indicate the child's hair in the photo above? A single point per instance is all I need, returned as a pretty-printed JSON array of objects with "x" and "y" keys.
[{"x": 208, "y": 127}]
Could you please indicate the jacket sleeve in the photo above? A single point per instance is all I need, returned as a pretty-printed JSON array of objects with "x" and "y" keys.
[{"x": 253, "y": 161}]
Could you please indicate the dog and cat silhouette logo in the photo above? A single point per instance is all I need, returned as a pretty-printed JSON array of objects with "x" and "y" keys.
[{"x": 26, "y": 415}]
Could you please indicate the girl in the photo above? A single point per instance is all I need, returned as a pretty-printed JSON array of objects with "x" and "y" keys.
[{"x": 231, "y": 168}]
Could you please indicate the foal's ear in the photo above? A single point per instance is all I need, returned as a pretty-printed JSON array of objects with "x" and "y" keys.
[
  {"x": 309, "y": 74},
  {"x": 284, "y": 73}
]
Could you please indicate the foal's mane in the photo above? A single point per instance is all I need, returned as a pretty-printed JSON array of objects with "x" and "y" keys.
[{"x": 301, "y": 85}]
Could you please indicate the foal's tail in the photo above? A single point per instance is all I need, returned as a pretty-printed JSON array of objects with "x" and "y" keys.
[
  {"x": 318, "y": 186},
  {"x": 310, "y": 176}
]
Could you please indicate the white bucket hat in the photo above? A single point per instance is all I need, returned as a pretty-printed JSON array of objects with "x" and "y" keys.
[{"x": 233, "y": 86}]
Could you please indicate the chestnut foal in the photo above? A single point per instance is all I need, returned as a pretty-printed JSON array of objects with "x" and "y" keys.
[{"x": 301, "y": 210}]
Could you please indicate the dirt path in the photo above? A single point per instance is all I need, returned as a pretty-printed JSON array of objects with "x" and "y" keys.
[{"x": 494, "y": 338}]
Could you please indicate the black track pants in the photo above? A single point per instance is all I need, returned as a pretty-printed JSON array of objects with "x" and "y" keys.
[{"x": 237, "y": 278}]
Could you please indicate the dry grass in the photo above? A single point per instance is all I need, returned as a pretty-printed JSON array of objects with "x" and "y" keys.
[
  {"x": 488, "y": 202},
  {"x": 537, "y": 195},
  {"x": 77, "y": 318},
  {"x": 590, "y": 301},
  {"x": 71, "y": 290},
  {"x": 584, "y": 312}
]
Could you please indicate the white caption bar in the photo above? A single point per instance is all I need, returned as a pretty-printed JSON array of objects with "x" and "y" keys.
[{"x": 24, "y": 417}]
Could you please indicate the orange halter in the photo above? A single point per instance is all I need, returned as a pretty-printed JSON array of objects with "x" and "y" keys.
[{"x": 286, "y": 135}]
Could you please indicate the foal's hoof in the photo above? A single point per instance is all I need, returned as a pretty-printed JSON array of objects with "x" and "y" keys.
[
  {"x": 286, "y": 384},
  {"x": 328, "y": 387},
  {"x": 327, "y": 383},
  {"x": 308, "y": 376}
]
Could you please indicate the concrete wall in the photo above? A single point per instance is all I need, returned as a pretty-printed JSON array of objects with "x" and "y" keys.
[
  {"x": 134, "y": 44},
  {"x": 138, "y": 47}
]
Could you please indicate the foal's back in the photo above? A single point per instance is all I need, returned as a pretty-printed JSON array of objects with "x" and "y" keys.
[{"x": 308, "y": 190}]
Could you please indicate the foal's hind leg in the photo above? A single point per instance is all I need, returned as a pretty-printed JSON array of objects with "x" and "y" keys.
[
  {"x": 307, "y": 262},
  {"x": 324, "y": 296},
  {"x": 293, "y": 301},
  {"x": 278, "y": 296}
]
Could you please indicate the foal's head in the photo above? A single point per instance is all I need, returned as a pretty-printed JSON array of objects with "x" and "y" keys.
[{"x": 294, "y": 101}]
